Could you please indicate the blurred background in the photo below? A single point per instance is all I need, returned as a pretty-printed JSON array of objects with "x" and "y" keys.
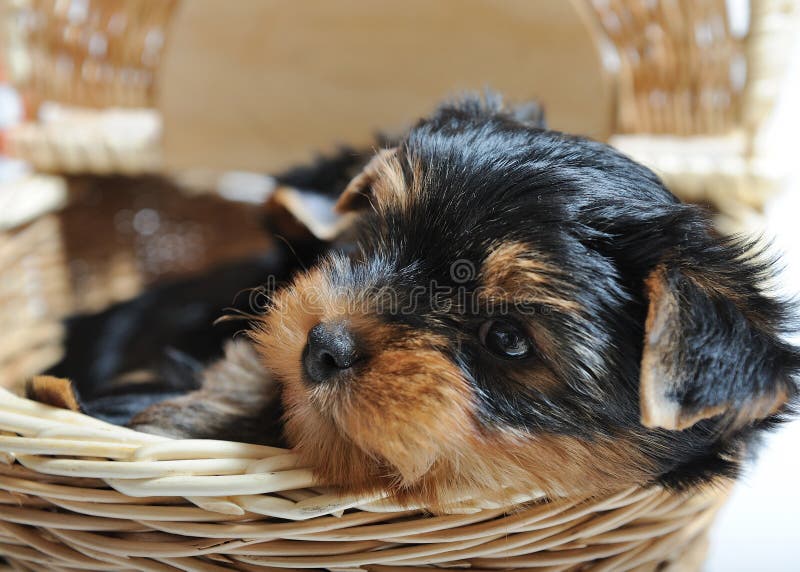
[{"x": 137, "y": 139}]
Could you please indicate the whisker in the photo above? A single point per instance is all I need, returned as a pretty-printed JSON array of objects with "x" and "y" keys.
[{"x": 293, "y": 251}]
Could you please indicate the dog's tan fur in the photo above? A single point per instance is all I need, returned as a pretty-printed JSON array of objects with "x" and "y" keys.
[{"x": 54, "y": 391}]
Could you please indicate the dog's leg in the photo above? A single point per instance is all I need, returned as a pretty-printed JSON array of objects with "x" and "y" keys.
[
  {"x": 238, "y": 401},
  {"x": 55, "y": 391}
]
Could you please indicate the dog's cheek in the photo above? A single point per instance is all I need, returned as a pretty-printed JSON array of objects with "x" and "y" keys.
[{"x": 409, "y": 408}]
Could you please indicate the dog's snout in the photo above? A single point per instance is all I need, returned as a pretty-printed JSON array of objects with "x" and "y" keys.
[{"x": 330, "y": 349}]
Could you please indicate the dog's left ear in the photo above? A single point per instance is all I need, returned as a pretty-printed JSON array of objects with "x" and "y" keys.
[
  {"x": 712, "y": 347},
  {"x": 381, "y": 180}
]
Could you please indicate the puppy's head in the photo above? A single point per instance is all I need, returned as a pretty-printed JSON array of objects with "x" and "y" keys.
[{"x": 523, "y": 310}]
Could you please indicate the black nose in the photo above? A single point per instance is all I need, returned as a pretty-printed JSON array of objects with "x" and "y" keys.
[{"x": 330, "y": 350}]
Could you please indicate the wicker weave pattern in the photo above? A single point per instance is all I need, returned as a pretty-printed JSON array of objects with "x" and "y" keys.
[
  {"x": 91, "y": 141},
  {"x": 94, "y": 53},
  {"x": 78, "y": 493},
  {"x": 34, "y": 294},
  {"x": 678, "y": 65}
]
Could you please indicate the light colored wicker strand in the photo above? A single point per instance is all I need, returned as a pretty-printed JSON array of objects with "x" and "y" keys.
[{"x": 77, "y": 493}]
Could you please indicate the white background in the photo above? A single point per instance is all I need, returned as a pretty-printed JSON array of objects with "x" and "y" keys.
[{"x": 759, "y": 529}]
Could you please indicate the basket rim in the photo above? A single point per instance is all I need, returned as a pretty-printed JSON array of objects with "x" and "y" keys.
[
  {"x": 109, "y": 497},
  {"x": 58, "y": 442},
  {"x": 65, "y": 443}
]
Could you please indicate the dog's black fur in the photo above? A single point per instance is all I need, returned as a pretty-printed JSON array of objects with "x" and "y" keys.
[{"x": 166, "y": 334}]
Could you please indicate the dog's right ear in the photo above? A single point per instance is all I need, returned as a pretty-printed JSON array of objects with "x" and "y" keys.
[
  {"x": 713, "y": 343},
  {"x": 302, "y": 207}
]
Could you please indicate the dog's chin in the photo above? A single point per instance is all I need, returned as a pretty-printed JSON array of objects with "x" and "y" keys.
[
  {"x": 363, "y": 445},
  {"x": 334, "y": 457},
  {"x": 373, "y": 469}
]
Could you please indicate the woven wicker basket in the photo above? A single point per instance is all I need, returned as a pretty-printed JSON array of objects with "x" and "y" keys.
[
  {"x": 695, "y": 94},
  {"x": 90, "y": 53},
  {"x": 77, "y": 493}
]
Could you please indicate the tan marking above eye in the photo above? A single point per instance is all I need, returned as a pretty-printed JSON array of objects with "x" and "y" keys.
[{"x": 513, "y": 272}]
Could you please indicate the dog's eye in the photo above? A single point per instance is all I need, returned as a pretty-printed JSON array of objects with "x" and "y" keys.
[{"x": 504, "y": 339}]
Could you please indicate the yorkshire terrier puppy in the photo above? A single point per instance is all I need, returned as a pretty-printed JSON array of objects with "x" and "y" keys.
[{"x": 519, "y": 309}]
